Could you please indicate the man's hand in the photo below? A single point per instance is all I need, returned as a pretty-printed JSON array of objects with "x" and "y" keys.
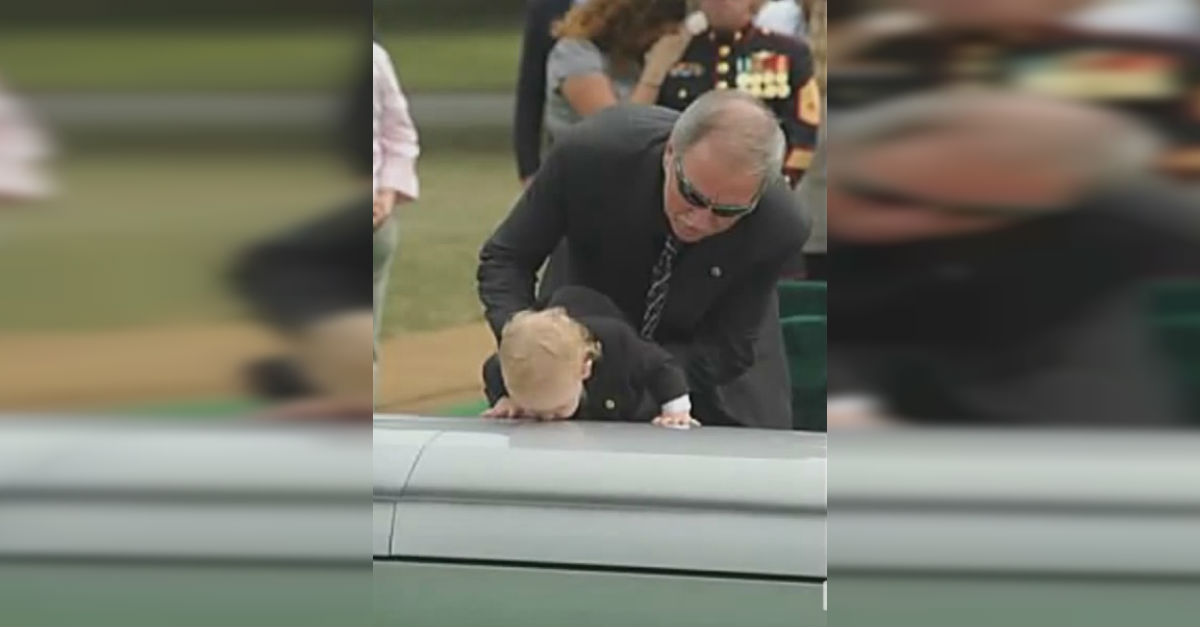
[
  {"x": 503, "y": 408},
  {"x": 382, "y": 207},
  {"x": 681, "y": 420}
]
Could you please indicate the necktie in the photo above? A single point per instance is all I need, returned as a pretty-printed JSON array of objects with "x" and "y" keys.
[{"x": 660, "y": 277}]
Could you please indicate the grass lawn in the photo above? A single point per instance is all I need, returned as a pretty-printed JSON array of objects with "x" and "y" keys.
[
  {"x": 140, "y": 59},
  {"x": 142, "y": 239},
  {"x": 463, "y": 197}
]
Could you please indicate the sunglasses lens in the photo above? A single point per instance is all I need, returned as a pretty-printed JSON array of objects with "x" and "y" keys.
[{"x": 729, "y": 212}]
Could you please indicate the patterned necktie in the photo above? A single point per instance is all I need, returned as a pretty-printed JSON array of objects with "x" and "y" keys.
[{"x": 660, "y": 277}]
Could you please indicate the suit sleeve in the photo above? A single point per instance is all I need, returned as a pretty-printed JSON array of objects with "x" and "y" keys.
[
  {"x": 724, "y": 347},
  {"x": 509, "y": 260},
  {"x": 493, "y": 380},
  {"x": 531, "y": 86},
  {"x": 803, "y": 109},
  {"x": 656, "y": 370}
]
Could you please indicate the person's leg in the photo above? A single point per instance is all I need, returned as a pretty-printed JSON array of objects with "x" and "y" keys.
[{"x": 383, "y": 252}]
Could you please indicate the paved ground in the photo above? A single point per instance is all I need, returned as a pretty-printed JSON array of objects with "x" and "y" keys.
[{"x": 147, "y": 366}]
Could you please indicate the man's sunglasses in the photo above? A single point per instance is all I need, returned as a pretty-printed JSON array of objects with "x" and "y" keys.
[{"x": 696, "y": 199}]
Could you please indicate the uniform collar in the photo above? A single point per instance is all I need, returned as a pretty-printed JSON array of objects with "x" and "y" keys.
[{"x": 737, "y": 36}]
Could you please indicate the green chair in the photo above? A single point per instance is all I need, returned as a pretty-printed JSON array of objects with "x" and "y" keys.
[
  {"x": 804, "y": 341},
  {"x": 1175, "y": 314},
  {"x": 1180, "y": 338},
  {"x": 1175, "y": 297},
  {"x": 801, "y": 298}
]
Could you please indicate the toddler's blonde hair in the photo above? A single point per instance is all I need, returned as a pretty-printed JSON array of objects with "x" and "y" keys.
[{"x": 539, "y": 346}]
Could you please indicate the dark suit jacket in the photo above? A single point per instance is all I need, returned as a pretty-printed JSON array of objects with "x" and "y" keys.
[
  {"x": 630, "y": 381},
  {"x": 1043, "y": 322},
  {"x": 540, "y": 15},
  {"x": 602, "y": 189}
]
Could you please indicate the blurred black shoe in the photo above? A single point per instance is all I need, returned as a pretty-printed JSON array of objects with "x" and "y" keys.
[{"x": 278, "y": 379}]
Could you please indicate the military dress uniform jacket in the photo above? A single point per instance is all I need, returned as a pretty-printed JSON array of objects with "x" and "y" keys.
[{"x": 776, "y": 68}]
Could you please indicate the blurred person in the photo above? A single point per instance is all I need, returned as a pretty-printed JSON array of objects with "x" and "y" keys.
[
  {"x": 1034, "y": 46},
  {"x": 611, "y": 51},
  {"x": 681, "y": 220},
  {"x": 733, "y": 53},
  {"x": 991, "y": 278},
  {"x": 812, "y": 188},
  {"x": 394, "y": 150},
  {"x": 528, "y": 116},
  {"x": 24, "y": 150},
  {"x": 308, "y": 284},
  {"x": 578, "y": 358}
]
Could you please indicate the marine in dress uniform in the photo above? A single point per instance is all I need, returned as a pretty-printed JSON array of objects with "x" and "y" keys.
[
  {"x": 1155, "y": 79},
  {"x": 776, "y": 68}
]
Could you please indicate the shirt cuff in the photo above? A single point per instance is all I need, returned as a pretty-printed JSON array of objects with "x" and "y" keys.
[
  {"x": 680, "y": 405},
  {"x": 401, "y": 176}
]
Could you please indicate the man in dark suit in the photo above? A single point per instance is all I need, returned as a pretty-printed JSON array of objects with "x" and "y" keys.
[
  {"x": 680, "y": 219},
  {"x": 582, "y": 360},
  {"x": 540, "y": 16}
]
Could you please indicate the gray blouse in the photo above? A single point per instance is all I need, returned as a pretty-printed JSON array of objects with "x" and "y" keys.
[{"x": 576, "y": 57}]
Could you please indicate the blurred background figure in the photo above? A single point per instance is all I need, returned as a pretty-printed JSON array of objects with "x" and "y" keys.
[
  {"x": 25, "y": 149},
  {"x": 184, "y": 134},
  {"x": 611, "y": 51},
  {"x": 940, "y": 215},
  {"x": 1032, "y": 46},
  {"x": 988, "y": 279},
  {"x": 528, "y": 115}
]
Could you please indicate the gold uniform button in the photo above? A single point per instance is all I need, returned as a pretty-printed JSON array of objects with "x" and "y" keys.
[
  {"x": 682, "y": 93},
  {"x": 723, "y": 51},
  {"x": 722, "y": 85},
  {"x": 722, "y": 67},
  {"x": 610, "y": 404}
]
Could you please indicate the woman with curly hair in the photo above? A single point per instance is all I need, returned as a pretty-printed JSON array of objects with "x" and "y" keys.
[{"x": 611, "y": 51}]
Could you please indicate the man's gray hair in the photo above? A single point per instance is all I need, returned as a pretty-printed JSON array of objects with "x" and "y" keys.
[{"x": 748, "y": 131}]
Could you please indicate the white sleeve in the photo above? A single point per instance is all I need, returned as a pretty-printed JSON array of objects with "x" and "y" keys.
[{"x": 680, "y": 405}]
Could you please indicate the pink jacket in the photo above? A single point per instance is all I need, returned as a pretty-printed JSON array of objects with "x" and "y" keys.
[{"x": 394, "y": 145}]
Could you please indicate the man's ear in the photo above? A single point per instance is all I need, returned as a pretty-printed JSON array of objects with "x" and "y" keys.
[{"x": 586, "y": 372}]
